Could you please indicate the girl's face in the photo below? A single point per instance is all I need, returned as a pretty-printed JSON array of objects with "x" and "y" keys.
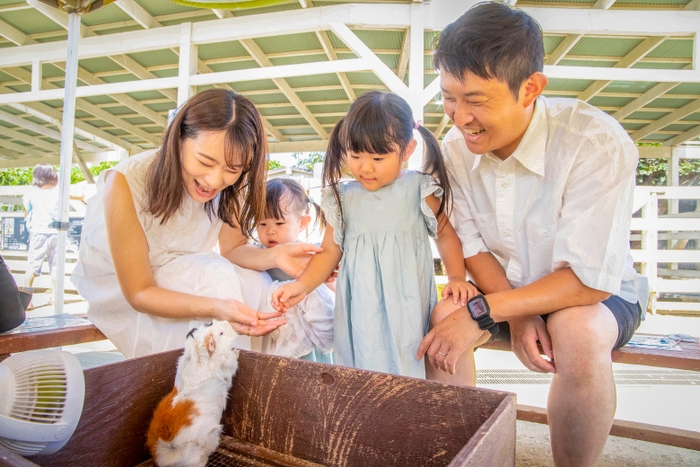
[
  {"x": 375, "y": 171},
  {"x": 204, "y": 169},
  {"x": 273, "y": 231}
]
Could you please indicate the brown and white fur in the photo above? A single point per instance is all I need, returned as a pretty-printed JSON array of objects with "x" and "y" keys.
[{"x": 186, "y": 425}]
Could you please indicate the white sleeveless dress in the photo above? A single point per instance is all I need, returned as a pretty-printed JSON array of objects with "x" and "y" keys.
[{"x": 182, "y": 257}]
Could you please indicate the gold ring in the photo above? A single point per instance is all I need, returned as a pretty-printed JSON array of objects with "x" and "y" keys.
[
  {"x": 247, "y": 332},
  {"x": 259, "y": 318}
]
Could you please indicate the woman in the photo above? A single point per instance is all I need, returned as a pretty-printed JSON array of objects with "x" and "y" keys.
[{"x": 146, "y": 264}]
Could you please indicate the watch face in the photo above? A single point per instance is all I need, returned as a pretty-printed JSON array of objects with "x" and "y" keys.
[{"x": 478, "y": 308}]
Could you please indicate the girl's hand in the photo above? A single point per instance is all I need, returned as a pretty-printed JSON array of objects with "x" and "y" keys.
[
  {"x": 461, "y": 291},
  {"x": 292, "y": 258},
  {"x": 245, "y": 320},
  {"x": 288, "y": 295}
]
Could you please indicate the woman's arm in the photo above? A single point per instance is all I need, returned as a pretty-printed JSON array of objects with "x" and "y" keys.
[
  {"x": 129, "y": 249},
  {"x": 291, "y": 258},
  {"x": 316, "y": 273}
]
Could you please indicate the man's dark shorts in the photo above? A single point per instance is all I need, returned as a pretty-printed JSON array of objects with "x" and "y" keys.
[{"x": 628, "y": 316}]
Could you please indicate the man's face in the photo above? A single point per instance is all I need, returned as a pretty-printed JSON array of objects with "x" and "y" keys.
[{"x": 486, "y": 113}]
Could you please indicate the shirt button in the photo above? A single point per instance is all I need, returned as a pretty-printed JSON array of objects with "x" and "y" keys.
[
  {"x": 545, "y": 233},
  {"x": 481, "y": 219},
  {"x": 504, "y": 184},
  {"x": 506, "y": 234}
]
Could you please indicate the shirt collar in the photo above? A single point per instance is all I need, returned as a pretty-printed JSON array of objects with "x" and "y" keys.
[{"x": 531, "y": 150}]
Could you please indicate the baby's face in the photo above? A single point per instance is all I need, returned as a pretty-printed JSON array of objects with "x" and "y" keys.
[{"x": 273, "y": 231}]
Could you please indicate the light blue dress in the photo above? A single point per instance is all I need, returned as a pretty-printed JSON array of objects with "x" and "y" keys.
[{"x": 385, "y": 288}]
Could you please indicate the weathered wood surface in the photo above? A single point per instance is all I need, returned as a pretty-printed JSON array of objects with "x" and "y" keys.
[
  {"x": 50, "y": 331},
  {"x": 625, "y": 429},
  {"x": 339, "y": 416},
  {"x": 313, "y": 413},
  {"x": 686, "y": 359}
]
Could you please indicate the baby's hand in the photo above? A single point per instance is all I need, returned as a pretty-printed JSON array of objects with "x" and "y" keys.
[
  {"x": 288, "y": 295},
  {"x": 461, "y": 291}
]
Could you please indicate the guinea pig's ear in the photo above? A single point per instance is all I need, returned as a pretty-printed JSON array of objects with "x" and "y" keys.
[{"x": 210, "y": 342}]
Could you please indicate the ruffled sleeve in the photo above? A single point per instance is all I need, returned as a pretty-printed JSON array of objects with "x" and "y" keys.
[
  {"x": 429, "y": 186},
  {"x": 331, "y": 209}
]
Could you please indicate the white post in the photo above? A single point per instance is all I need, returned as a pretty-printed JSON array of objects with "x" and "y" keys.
[
  {"x": 187, "y": 65},
  {"x": 673, "y": 179},
  {"x": 36, "y": 75},
  {"x": 650, "y": 242},
  {"x": 415, "y": 77},
  {"x": 68, "y": 126}
]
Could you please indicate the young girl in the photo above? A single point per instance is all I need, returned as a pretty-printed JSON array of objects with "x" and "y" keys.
[
  {"x": 287, "y": 214},
  {"x": 146, "y": 263},
  {"x": 379, "y": 225}
]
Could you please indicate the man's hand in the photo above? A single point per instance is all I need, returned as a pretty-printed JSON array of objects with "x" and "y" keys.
[
  {"x": 292, "y": 258},
  {"x": 449, "y": 339},
  {"x": 524, "y": 334}
]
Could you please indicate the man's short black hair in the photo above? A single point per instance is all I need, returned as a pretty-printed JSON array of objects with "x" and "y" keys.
[{"x": 492, "y": 40}]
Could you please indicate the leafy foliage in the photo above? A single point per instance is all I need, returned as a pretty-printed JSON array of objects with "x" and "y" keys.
[
  {"x": 76, "y": 175},
  {"x": 653, "y": 172},
  {"x": 307, "y": 160},
  {"x": 23, "y": 176},
  {"x": 271, "y": 165}
]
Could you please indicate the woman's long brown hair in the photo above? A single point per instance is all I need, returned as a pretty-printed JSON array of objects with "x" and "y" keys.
[{"x": 240, "y": 205}]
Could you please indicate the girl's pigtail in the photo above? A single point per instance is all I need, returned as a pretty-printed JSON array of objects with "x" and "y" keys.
[
  {"x": 320, "y": 218},
  {"x": 435, "y": 165},
  {"x": 333, "y": 163}
]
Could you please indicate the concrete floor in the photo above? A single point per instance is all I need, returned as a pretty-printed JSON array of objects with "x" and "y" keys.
[{"x": 645, "y": 394}]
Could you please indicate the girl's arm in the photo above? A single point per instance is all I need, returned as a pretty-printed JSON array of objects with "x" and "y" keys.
[
  {"x": 129, "y": 249},
  {"x": 291, "y": 258},
  {"x": 316, "y": 273},
  {"x": 450, "y": 250}
]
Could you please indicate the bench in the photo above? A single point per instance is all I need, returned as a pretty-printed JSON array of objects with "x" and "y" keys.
[
  {"x": 686, "y": 359},
  {"x": 66, "y": 329}
]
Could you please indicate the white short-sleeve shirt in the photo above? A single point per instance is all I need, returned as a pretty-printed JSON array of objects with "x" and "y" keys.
[{"x": 562, "y": 199}]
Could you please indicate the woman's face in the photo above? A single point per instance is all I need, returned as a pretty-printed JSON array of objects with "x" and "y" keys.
[{"x": 204, "y": 169}]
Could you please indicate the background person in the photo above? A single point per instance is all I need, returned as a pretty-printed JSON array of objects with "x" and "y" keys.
[{"x": 543, "y": 192}]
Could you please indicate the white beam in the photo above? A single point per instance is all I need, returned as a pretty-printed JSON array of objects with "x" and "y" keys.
[
  {"x": 34, "y": 140},
  {"x": 15, "y": 36},
  {"x": 403, "y": 55},
  {"x": 36, "y": 128},
  {"x": 299, "y": 146},
  {"x": 378, "y": 67},
  {"x": 36, "y": 77},
  {"x": 667, "y": 120},
  {"x": 696, "y": 48},
  {"x": 332, "y": 55},
  {"x": 560, "y": 51},
  {"x": 645, "y": 98},
  {"x": 430, "y": 91},
  {"x": 441, "y": 126},
  {"x": 21, "y": 149},
  {"x": 222, "y": 14},
  {"x": 59, "y": 17},
  {"x": 136, "y": 69},
  {"x": 106, "y": 156},
  {"x": 636, "y": 54},
  {"x": 286, "y": 89},
  {"x": 622, "y": 74},
  {"x": 187, "y": 66},
  {"x": 387, "y": 16},
  {"x": 136, "y": 11},
  {"x": 683, "y": 137},
  {"x": 603, "y": 4}
]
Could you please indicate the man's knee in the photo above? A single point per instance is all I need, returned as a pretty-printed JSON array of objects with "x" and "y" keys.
[{"x": 443, "y": 309}]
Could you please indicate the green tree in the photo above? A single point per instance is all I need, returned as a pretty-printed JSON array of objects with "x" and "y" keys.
[
  {"x": 76, "y": 175},
  {"x": 271, "y": 165},
  {"x": 307, "y": 160},
  {"x": 16, "y": 176}
]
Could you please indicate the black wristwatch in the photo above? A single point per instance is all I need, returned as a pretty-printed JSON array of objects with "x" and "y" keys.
[{"x": 481, "y": 313}]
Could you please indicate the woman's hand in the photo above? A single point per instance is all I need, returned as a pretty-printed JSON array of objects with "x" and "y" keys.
[
  {"x": 461, "y": 291},
  {"x": 288, "y": 295},
  {"x": 245, "y": 320},
  {"x": 292, "y": 258}
]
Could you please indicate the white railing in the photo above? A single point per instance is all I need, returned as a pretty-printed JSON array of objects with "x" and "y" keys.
[{"x": 677, "y": 228}]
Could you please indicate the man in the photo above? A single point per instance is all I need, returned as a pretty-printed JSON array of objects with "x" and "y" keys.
[{"x": 542, "y": 204}]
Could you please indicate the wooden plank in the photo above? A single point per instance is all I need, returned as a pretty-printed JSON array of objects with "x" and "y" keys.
[
  {"x": 625, "y": 429},
  {"x": 686, "y": 359},
  {"x": 343, "y": 416},
  {"x": 51, "y": 331}
]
